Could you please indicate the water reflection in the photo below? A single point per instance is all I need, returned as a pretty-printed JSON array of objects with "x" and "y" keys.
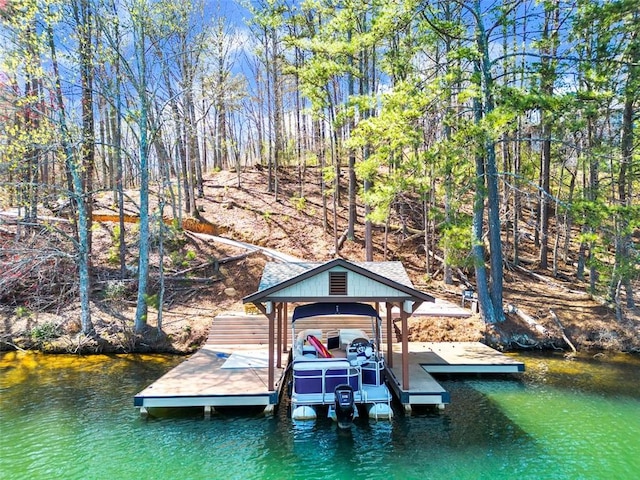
[
  {"x": 607, "y": 374},
  {"x": 584, "y": 412}
]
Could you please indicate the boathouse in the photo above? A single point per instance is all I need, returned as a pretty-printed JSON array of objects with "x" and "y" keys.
[
  {"x": 226, "y": 373},
  {"x": 336, "y": 281}
]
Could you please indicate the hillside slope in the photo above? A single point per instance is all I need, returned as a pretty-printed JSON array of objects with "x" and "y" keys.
[{"x": 205, "y": 278}]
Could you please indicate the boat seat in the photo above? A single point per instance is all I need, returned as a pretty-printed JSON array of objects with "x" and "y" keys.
[
  {"x": 348, "y": 335},
  {"x": 299, "y": 347}
]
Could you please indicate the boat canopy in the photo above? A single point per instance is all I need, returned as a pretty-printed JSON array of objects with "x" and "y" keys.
[{"x": 323, "y": 309}]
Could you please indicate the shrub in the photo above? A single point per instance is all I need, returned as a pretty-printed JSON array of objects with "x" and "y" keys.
[
  {"x": 45, "y": 332},
  {"x": 115, "y": 290},
  {"x": 299, "y": 203},
  {"x": 22, "y": 312}
]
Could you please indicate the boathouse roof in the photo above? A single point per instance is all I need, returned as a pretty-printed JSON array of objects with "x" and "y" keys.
[{"x": 337, "y": 280}]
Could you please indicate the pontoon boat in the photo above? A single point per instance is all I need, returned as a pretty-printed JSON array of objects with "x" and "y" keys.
[{"x": 340, "y": 369}]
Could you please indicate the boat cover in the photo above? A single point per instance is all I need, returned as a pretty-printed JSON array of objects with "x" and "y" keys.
[{"x": 322, "y": 309}]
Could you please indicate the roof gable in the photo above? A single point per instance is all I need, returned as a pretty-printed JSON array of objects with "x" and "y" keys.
[{"x": 368, "y": 281}]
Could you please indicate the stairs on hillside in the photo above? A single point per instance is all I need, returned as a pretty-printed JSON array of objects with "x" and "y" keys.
[{"x": 254, "y": 329}]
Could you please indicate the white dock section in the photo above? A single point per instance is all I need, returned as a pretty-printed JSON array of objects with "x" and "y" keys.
[
  {"x": 423, "y": 388},
  {"x": 439, "y": 308},
  {"x": 460, "y": 357}
]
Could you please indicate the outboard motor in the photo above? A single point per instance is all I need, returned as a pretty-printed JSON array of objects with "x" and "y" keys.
[{"x": 345, "y": 405}]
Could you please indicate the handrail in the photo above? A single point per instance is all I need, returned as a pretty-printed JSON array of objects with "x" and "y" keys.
[{"x": 352, "y": 371}]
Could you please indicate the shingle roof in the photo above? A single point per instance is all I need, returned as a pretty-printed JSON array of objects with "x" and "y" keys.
[
  {"x": 275, "y": 273},
  {"x": 277, "y": 276}
]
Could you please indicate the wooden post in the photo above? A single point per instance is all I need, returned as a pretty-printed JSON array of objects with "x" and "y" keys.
[
  {"x": 389, "y": 306},
  {"x": 405, "y": 349},
  {"x": 271, "y": 317},
  {"x": 378, "y": 327},
  {"x": 415, "y": 306},
  {"x": 279, "y": 344},
  {"x": 285, "y": 323},
  {"x": 270, "y": 314}
]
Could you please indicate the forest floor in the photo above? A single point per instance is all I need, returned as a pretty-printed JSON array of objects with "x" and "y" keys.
[{"x": 203, "y": 278}]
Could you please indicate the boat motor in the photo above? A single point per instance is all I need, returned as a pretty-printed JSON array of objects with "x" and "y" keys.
[{"x": 344, "y": 405}]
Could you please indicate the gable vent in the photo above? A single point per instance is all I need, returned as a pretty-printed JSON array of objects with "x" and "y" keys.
[{"x": 337, "y": 283}]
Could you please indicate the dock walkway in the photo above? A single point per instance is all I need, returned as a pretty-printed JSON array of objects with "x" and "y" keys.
[
  {"x": 231, "y": 375},
  {"x": 426, "y": 358}
]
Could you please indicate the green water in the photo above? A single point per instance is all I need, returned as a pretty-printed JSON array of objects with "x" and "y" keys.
[{"x": 72, "y": 417}]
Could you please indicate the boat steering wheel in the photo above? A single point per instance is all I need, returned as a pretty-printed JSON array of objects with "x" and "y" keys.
[{"x": 362, "y": 347}]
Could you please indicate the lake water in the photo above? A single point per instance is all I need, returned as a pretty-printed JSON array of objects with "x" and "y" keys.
[{"x": 71, "y": 417}]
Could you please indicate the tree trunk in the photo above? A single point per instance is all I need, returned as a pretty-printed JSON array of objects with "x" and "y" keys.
[
  {"x": 143, "y": 260},
  {"x": 482, "y": 282},
  {"x": 353, "y": 186},
  {"x": 84, "y": 24},
  {"x": 516, "y": 195},
  {"x": 117, "y": 145},
  {"x": 547, "y": 79},
  {"x": 493, "y": 198},
  {"x": 76, "y": 193},
  {"x": 624, "y": 242},
  {"x": 278, "y": 143}
]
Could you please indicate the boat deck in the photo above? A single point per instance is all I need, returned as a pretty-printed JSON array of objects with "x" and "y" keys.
[{"x": 236, "y": 375}]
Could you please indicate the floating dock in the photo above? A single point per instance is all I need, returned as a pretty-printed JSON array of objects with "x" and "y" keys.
[
  {"x": 231, "y": 375},
  {"x": 426, "y": 358},
  {"x": 223, "y": 375}
]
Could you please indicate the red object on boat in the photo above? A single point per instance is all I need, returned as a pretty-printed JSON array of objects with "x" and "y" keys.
[{"x": 320, "y": 348}]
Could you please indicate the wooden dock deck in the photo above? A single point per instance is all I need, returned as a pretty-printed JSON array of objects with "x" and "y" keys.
[
  {"x": 231, "y": 369},
  {"x": 459, "y": 357},
  {"x": 423, "y": 388},
  {"x": 426, "y": 358},
  {"x": 236, "y": 375},
  {"x": 215, "y": 376}
]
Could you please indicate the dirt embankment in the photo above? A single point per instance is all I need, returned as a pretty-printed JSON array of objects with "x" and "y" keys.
[{"x": 39, "y": 306}]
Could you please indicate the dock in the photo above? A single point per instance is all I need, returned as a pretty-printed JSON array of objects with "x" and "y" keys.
[
  {"x": 244, "y": 361},
  {"x": 215, "y": 376},
  {"x": 427, "y": 358},
  {"x": 460, "y": 357},
  {"x": 231, "y": 369}
]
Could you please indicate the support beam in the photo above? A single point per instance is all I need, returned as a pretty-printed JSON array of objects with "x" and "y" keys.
[
  {"x": 416, "y": 305},
  {"x": 389, "y": 358},
  {"x": 405, "y": 350},
  {"x": 377, "y": 326},
  {"x": 269, "y": 312},
  {"x": 279, "y": 342},
  {"x": 271, "y": 380},
  {"x": 285, "y": 318}
]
